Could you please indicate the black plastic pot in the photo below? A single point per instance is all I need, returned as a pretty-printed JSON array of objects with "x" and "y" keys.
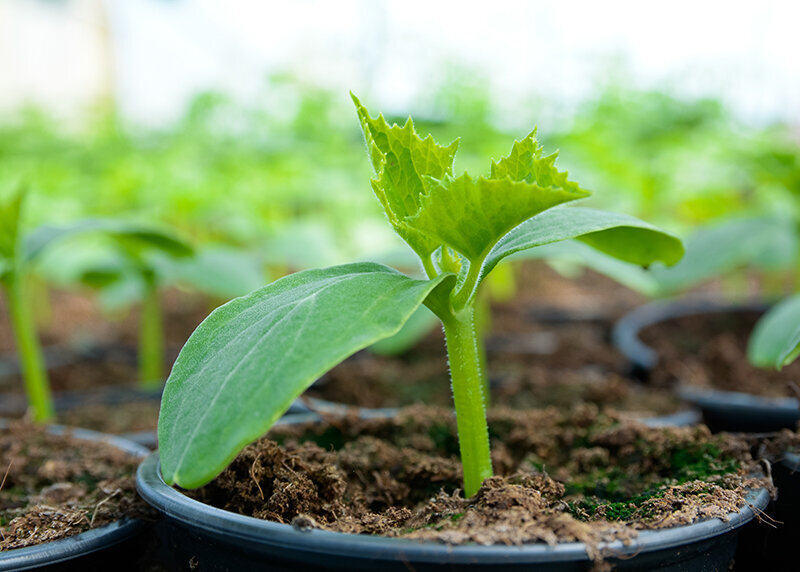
[
  {"x": 773, "y": 546},
  {"x": 787, "y": 479},
  {"x": 103, "y": 548},
  {"x": 722, "y": 410},
  {"x": 198, "y": 536}
]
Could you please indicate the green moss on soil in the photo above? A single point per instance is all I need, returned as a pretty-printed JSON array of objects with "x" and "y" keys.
[{"x": 608, "y": 491}]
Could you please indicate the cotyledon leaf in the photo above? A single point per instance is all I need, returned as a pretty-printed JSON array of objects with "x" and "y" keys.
[
  {"x": 629, "y": 275},
  {"x": 776, "y": 335},
  {"x": 245, "y": 364},
  {"x": 621, "y": 236},
  {"x": 791, "y": 350},
  {"x": 136, "y": 236}
]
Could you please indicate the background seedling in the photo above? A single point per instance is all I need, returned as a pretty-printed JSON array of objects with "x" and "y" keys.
[
  {"x": 14, "y": 265},
  {"x": 131, "y": 264}
]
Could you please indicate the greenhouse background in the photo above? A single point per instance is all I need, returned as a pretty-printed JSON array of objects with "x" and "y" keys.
[
  {"x": 187, "y": 97},
  {"x": 569, "y": 315}
]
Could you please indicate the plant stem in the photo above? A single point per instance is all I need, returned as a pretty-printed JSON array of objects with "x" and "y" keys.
[
  {"x": 468, "y": 394},
  {"x": 483, "y": 320},
  {"x": 151, "y": 339},
  {"x": 34, "y": 372}
]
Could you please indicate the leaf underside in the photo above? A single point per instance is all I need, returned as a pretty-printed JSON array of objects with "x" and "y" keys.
[
  {"x": 247, "y": 362},
  {"x": 621, "y": 236}
]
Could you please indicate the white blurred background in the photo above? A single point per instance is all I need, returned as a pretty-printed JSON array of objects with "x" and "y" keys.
[{"x": 151, "y": 56}]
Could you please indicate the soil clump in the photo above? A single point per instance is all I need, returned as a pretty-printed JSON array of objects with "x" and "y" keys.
[{"x": 56, "y": 486}]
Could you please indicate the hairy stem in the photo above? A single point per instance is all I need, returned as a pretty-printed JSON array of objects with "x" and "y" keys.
[
  {"x": 151, "y": 339},
  {"x": 468, "y": 393},
  {"x": 34, "y": 373},
  {"x": 483, "y": 321}
]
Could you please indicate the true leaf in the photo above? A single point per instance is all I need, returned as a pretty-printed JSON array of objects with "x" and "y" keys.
[
  {"x": 624, "y": 237},
  {"x": 471, "y": 215},
  {"x": 245, "y": 364},
  {"x": 775, "y": 337},
  {"x": 401, "y": 159},
  {"x": 519, "y": 164},
  {"x": 525, "y": 163}
]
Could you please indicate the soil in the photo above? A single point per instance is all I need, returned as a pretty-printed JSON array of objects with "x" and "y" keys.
[
  {"x": 580, "y": 475},
  {"x": 710, "y": 351},
  {"x": 576, "y": 371},
  {"x": 98, "y": 350},
  {"x": 54, "y": 486}
]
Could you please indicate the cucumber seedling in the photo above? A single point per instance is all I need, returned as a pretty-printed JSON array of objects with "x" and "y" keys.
[{"x": 245, "y": 364}]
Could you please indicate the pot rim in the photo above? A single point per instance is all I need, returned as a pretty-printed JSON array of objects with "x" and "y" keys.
[
  {"x": 715, "y": 398},
  {"x": 625, "y": 333},
  {"x": 218, "y": 522},
  {"x": 791, "y": 461},
  {"x": 65, "y": 549}
]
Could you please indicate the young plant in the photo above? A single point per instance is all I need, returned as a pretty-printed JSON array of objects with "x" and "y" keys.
[
  {"x": 245, "y": 364},
  {"x": 14, "y": 265},
  {"x": 135, "y": 272},
  {"x": 128, "y": 262}
]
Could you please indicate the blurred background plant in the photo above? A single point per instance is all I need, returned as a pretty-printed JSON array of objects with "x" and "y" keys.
[{"x": 230, "y": 125}]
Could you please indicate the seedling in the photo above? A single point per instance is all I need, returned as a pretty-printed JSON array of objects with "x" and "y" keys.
[
  {"x": 134, "y": 273},
  {"x": 14, "y": 265},
  {"x": 246, "y": 363}
]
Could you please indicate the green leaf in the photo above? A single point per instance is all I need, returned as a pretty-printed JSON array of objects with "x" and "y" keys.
[
  {"x": 401, "y": 159},
  {"x": 133, "y": 236},
  {"x": 471, "y": 215},
  {"x": 767, "y": 242},
  {"x": 573, "y": 251},
  {"x": 10, "y": 210},
  {"x": 774, "y": 340},
  {"x": 430, "y": 208},
  {"x": 790, "y": 351},
  {"x": 246, "y": 363},
  {"x": 139, "y": 239},
  {"x": 525, "y": 163},
  {"x": 520, "y": 165},
  {"x": 621, "y": 236},
  {"x": 218, "y": 271},
  {"x": 421, "y": 322}
]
